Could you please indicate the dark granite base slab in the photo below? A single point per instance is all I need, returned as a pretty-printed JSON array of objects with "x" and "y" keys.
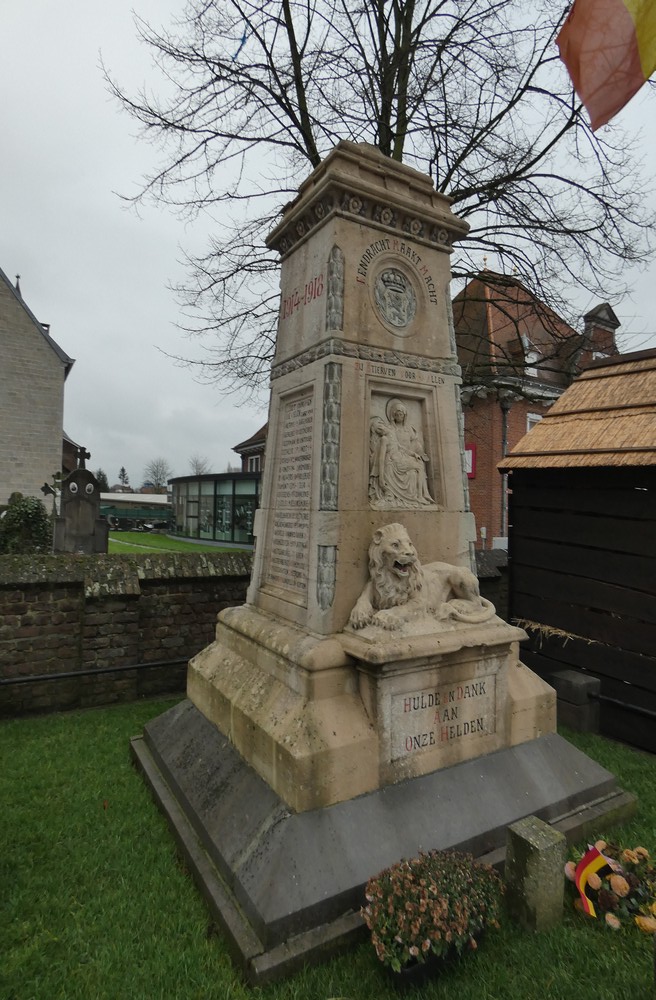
[{"x": 287, "y": 887}]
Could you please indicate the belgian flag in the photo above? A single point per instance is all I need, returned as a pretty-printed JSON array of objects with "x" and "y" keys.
[
  {"x": 609, "y": 48},
  {"x": 592, "y": 861}
]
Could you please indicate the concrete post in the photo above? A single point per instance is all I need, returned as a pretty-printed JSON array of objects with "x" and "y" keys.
[{"x": 535, "y": 857}]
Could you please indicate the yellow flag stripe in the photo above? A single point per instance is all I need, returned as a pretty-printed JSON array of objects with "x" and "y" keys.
[{"x": 643, "y": 14}]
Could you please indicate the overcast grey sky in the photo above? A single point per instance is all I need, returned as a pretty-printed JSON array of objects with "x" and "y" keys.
[
  {"x": 90, "y": 267},
  {"x": 96, "y": 271}
]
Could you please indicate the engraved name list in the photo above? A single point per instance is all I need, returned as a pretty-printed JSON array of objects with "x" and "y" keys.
[{"x": 288, "y": 558}]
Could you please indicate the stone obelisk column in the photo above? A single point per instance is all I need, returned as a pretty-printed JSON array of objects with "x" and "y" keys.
[
  {"x": 365, "y": 329},
  {"x": 364, "y": 432}
]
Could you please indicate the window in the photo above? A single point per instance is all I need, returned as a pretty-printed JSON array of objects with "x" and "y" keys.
[
  {"x": 531, "y": 420},
  {"x": 532, "y": 357},
  {"x": 254, "y": 463},
  {"x": 470, "y": 460}
]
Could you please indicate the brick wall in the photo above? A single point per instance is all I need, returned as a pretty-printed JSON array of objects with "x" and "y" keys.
[{"x": 90, "y": 616}]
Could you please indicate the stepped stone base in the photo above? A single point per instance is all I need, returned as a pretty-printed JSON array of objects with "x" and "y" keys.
[
  {"x": 286, "y": 887},
  {"x": 324, "y": 719}
]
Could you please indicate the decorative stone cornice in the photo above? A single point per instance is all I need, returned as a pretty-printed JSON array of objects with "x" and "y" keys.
[
  {"x": 354, "y": 182},
  {"x": 363, "y": 352}
]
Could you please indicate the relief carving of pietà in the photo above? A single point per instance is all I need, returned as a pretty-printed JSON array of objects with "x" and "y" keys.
[{"x": 397, "y": 461}]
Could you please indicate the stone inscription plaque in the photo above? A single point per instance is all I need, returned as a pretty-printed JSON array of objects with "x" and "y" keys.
[
  {"x": 435, "y": 718},
  {"x": 407, "y": 375},
  {"x": 289, "y": 551}
]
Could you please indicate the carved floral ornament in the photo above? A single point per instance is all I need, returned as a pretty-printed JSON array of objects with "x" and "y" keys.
[{"x": 352, "y": 203}]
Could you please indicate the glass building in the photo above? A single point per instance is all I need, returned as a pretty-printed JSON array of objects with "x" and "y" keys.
[{"x": 217, "y": 507}]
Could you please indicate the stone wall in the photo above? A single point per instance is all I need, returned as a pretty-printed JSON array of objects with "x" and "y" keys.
[
  {"x": 89, "y": 618},
  {"x": 31, "y": 401}
]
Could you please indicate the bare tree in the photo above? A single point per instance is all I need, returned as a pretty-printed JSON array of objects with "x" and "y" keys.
[
  {"x": 199, "y": 465},
  {"x": 257, "y": 92},
  {"x": 158, "y": 472}
]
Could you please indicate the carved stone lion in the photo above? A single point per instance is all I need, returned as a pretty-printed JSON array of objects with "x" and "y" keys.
[{"x": 400, "y": 589}]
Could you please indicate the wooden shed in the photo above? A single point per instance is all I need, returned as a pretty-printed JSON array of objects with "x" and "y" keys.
[{"x": 582, "y": 540}]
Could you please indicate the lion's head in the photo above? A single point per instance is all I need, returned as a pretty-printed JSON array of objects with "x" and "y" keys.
[{"x": 394, "y": 567}]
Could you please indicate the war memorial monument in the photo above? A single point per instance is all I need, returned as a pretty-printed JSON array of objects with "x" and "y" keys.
[{"x": 365, "y": 703}]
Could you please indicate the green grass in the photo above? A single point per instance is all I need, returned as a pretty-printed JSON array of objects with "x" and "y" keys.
[
  {"x": 146, "y": 541},
  {"x": 95, "y": 906}
]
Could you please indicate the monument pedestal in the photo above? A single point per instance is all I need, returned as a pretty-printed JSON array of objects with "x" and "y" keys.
[
  {"x": 288, "y": 701},
  {"x": 323, "y": 719}
]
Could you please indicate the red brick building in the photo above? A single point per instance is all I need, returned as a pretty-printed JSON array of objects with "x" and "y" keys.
[
  {"x": 517, "y": 357},
  {"x": 251, "y": 451}
]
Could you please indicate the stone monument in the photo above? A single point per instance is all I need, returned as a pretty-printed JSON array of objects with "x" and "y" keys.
[{"x": 365, "y": 703}]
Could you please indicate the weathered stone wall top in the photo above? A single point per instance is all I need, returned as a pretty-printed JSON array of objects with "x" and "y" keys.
[
  {"x": 81, "y": 630},
  {"x": 105, "y": 573}
]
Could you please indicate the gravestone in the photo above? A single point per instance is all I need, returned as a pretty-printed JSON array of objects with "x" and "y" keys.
[
  {"x": 365, "y": 703},
  {"x": 79, "y": 526}
]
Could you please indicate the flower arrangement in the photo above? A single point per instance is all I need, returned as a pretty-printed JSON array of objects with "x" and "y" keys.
[
  {"x": 434, "y": 904},
  {"x": 615, "y": 884}
]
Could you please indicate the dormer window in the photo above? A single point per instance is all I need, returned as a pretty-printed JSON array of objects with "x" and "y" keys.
[{"x": 532, "y": 357}]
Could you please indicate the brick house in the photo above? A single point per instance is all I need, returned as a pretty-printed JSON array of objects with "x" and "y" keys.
[
  {"x": 251, "y": 451},
  {"x": 517, "y": 357},
  {"x": 32, "y": 376}
]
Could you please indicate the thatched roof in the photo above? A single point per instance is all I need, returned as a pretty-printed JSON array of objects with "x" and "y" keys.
[{"x": 607, "y": 417}]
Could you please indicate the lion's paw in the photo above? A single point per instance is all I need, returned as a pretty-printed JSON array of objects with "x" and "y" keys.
[
  {"x": 387, "y": 620},
  {"x": 359, "y": 619}
]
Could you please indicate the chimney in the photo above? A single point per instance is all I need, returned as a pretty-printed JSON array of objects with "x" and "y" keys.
[{"x": 599, "y": 326}]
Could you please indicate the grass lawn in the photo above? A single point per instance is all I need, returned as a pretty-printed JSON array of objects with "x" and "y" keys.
[
  {"x": 95, "y": 905},
  {"x": 146, "y": 541}
]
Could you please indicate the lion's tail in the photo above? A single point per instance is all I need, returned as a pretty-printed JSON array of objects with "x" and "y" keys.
[{"x": 467, "y": 611}]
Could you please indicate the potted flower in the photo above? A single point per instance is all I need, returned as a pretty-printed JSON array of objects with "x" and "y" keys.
[
  {"x": 615, "y": 884},
  {"x": 424, "y": 911}
]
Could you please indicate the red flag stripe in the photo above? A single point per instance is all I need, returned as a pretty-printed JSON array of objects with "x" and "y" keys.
[
  {"x": 599, "y": 45},
  {"x": 592, "y": 861}
]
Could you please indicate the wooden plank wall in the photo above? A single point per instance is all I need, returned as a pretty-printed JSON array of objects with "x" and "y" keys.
[{"x": 582, "y": 559}]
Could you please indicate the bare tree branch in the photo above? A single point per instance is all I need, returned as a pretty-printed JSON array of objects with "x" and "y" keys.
[{"x": 256, "y": 92}]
